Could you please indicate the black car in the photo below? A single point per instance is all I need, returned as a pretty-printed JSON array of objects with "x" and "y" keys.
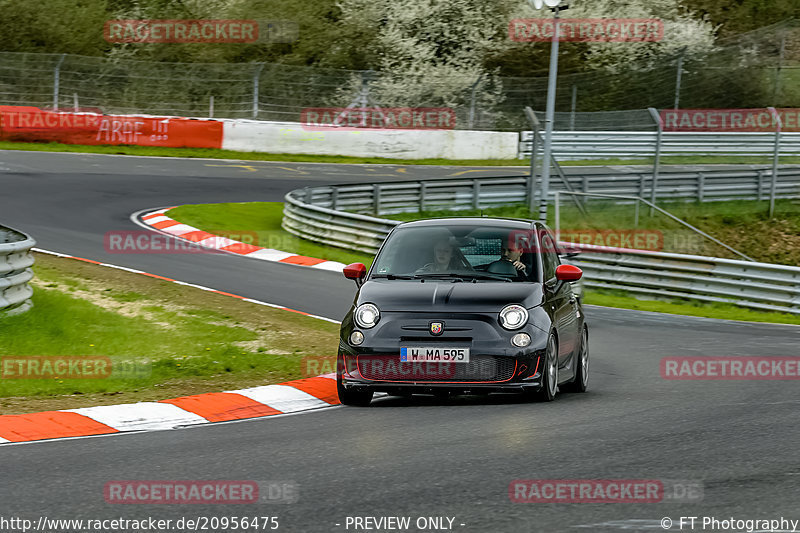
[{"x": 463, "y": 305}]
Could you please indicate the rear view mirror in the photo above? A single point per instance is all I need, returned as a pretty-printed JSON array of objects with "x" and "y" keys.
[
  {"x": 355, "y": 271},
  {"x": 568, "y": 273}
]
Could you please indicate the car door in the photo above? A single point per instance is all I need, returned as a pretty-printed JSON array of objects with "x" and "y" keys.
[{"x": 563, "y": 304}]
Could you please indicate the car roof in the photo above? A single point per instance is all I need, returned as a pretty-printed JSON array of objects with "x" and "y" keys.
[{"x": 463, "y": 221}]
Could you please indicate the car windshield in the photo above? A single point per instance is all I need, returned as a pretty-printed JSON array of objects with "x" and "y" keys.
[{"x": 482, "y": 252}]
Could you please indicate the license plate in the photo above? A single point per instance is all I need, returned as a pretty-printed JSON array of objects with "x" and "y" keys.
[{"x": 425, "y": 353}]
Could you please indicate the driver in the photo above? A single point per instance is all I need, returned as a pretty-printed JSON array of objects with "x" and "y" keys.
[
  {"x": 509, "y": 261},
  {"x": 444, "y": 258}
]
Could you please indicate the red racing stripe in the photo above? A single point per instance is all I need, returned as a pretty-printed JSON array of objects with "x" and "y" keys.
[
  {"x": 322, "y": 388},
  {"x": 302, "y": 260},
  {"x": 242, "y": 248},
  {"x": 49, "y": 425},
  {"x": 222, "y": 406},
  {"x": 85, "y": 260},
  {"x": 229, "y": 294},
  {"x": 165, "y": 224}
]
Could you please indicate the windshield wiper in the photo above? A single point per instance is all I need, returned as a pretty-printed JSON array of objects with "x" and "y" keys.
[
  {"x": 394, "y": 276},
  {"x": 482, "y": 275}
]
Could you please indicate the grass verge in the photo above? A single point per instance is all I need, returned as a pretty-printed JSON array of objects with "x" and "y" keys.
[
  {"x": 266, "y": 216},
  {"x": 188, "y": 341},
  {"x": 259, "y": 223},
  {"x": 212, "y": 153},
  {"x": 620, "y": 299}
]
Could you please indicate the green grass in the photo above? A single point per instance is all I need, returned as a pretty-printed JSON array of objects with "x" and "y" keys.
[
  {"x": 259, "y": 223},
  {"x": 211, "y": 153},
  {"x": 620, "y": 299},
  {"x": 181, "y": 340},
  {"x": 267, "y": 215}
]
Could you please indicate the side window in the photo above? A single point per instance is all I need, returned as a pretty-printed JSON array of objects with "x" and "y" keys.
[{"x": 549, "y": 256}]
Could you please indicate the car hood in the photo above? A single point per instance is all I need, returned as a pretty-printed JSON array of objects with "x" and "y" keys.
[{"x": 446, "y": 296}]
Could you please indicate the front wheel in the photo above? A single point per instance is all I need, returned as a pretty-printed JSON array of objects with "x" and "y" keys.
[
  {"x": 351, "y": 397},
  {"x": 549, "y": 372},
  {"x": 581, "y": 365}
]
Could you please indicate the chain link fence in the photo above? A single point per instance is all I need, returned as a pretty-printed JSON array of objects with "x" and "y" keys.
[{"x": 758, "y": 69}]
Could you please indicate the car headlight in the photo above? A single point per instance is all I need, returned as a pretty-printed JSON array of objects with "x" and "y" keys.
[
  {"x": 521, "y": 340},
  {"x": 356, "y": 338},
  {"x": 513, "y": 316},
  {"x": 367, "y": 315}
]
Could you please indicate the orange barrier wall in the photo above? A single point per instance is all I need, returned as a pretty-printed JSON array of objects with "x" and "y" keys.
[{"x": 31, "y": 124}]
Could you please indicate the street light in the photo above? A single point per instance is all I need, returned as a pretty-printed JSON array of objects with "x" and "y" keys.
[{"x": 555, "y": 6}]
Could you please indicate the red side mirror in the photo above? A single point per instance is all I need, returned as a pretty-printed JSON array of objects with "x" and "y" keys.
[
  {"x": 568, "y": 273},
  {"x": 355, "y": 271}
]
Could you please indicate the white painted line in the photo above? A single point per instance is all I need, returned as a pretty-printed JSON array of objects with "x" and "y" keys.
[
  {"x": 282, "y": 397},
  {"x": 156, "y": 220},
  {"x": 216, "y": 242},
  {"x": 179, "y": 229},
  {"x": 269, "y": 254},
  {"x": 3, "y": 441},
  {"x": 330, "y": 265},
  {"x": 202, "y": 288},
  {"x": 140, "y": 416}
]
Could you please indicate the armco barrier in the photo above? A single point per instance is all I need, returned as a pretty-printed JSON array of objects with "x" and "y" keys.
[
  {"x": 31, "y": 124},
  {"x": 15, "y": 271},
  {"x": 572, "y": 145},
  {"x": 480, "y": 193},
  {"x": 314, "y": 214}
]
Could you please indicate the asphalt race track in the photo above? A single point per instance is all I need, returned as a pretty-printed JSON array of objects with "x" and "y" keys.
[{"x": 419, "y": 458}]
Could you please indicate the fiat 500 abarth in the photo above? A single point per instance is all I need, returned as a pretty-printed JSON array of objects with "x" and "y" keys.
[{"x": 467, "y": 306}]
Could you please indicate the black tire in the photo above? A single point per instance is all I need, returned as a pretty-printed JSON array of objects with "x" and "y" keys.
[
  {"x": 581, "y": 363},
  {"x": 351, "y": 397},
  {"x": 549, "y": 372}
]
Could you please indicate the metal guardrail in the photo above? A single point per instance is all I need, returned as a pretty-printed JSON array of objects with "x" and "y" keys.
[
  {"x": 761, "y": 286},
  {"x": 315, "y": 214},
  {"x": 481, "y": 193},
  {"x": 572, "y": 145},
  {"x": 16, "y": 260}
]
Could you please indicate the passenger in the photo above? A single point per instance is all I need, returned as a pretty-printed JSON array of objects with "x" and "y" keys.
[{"x": 444, "y": 258}]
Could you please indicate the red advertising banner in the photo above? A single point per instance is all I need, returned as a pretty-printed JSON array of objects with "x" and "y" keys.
[
  {"x": 31, "y": 124},
  {"x": 731, "y": 120}
]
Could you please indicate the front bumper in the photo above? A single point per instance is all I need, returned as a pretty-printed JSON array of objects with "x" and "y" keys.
[
  {"x": 484, "y": 374},
  {"x": 495, "y": 364}
]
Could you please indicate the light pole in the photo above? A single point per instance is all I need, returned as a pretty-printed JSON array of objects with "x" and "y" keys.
[{"x": 551, "y": 103}]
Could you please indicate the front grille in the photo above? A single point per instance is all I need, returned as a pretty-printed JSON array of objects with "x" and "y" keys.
[{"x": 480, "y": 368}]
